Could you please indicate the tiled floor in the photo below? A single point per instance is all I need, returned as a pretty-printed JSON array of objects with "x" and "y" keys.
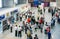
[{"x": 55, "y": 31}]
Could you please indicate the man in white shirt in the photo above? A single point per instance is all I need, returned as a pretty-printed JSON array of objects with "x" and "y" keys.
[
  {"x": 11, "y": 27},
  {"x": 16, "y": 30},
  {"x": 19, "y": 31},
  {"x": 8, "y": 24}
]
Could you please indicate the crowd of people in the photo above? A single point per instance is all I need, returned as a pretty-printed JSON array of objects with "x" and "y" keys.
[{"x": 27, "y": 26}]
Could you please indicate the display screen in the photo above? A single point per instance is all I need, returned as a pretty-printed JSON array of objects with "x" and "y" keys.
[{"x": 0, "y": 3}]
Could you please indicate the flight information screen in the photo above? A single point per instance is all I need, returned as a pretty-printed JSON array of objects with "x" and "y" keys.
[{"x": 0, "y": 3}]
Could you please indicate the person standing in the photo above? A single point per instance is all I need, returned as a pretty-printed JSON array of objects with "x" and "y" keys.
[
  {"x": 28, "y": 34},
  {"x": 54, "y": 19},
  {"x": 35, "y": 27},
  {"x": 31, "y": 29},
  {"x": 19, "y": 31},
  {"x": 11, "y": 27},
  {"x": 49, "y": 35},
  {"x": 41, "y": 28},
  {"x": 49, "y": 10},
  {"x": 41, "y": 20},
  {"x": 52, "y": 22},
  {"x": 23, "y": 25},
  {"x": 52, "y": 13},
  {"x": 44, "y": 10},
  {"x": 26, "y": 29},
  {"x": 20, "y": 17},
  {"x": 8, "y": 24},
  {"x": 16, "y": 30}
]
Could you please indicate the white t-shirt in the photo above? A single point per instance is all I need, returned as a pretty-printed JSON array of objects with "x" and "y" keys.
[
  {"x": 16, "y": 28},
  {"x": 21, "y": 24},
  {"x": 11, "y": 25},
  {"x": 8, "y": 23},
  {"x": 23, "y": 19},
  {"x": 35, "y": 25},
  {"x": 19, "y": 28}
]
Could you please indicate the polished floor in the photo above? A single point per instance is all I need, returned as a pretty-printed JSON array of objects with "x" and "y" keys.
[{"x": 55, "y": 31}]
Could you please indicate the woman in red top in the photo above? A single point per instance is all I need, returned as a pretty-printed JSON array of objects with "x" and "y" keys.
[
  {"x": 28, "y": 20},
  {"x": 40, "y": 21},
  {"x": 48, "y": 29}
]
